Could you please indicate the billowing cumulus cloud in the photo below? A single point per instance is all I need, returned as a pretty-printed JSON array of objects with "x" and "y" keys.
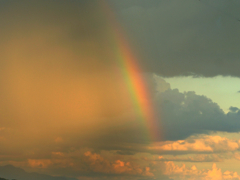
[
  {"x": 184, "y": 37},
  {"x": 185, "y": 114}
]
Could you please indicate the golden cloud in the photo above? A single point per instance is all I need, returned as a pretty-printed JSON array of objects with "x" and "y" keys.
[
  {"x": 204, "y": 143},
  {"x": 182, "y": 172}
]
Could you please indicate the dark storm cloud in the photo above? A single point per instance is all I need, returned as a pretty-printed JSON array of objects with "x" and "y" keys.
[
  {"x": 184, "y": 37},
  {"x": 186, "y": 114},
  {"x": 233, "y": 109}
]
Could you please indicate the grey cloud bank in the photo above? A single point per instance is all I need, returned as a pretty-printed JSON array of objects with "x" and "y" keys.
[
  {"x": 184, "y": 37},
  {"x": 185, "y": 114}
]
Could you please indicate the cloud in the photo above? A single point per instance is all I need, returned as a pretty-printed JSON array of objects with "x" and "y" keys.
[
  {"x": 39, "y": 163},
  {"x": 201, "y": 144},
  {"x": 155, "y": 84},
  {"x": 86, "y": 163},
  {"x": 90, "y": 164},
  {"x": 176, "y": 172},
  {"x": 186, "y": 114},
  {"x": 236, "y": 155},
  {"x": 63, "y": 104},
  {"x": 182, "y": 38},
  {"x": 180, "y": 115},
  {"x": 98, "y": 164},
  {"x": 233, "y": 109},
  {"x": 195, "y": 158}
]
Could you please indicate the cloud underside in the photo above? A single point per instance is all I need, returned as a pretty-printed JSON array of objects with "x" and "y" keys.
[{"x": 184, "y": 38}]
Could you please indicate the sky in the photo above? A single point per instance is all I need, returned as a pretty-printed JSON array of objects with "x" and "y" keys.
[{"x": 121, "y": 89}]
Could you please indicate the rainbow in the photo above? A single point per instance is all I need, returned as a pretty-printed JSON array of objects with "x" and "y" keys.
[{"x": 130, "y": 71}]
